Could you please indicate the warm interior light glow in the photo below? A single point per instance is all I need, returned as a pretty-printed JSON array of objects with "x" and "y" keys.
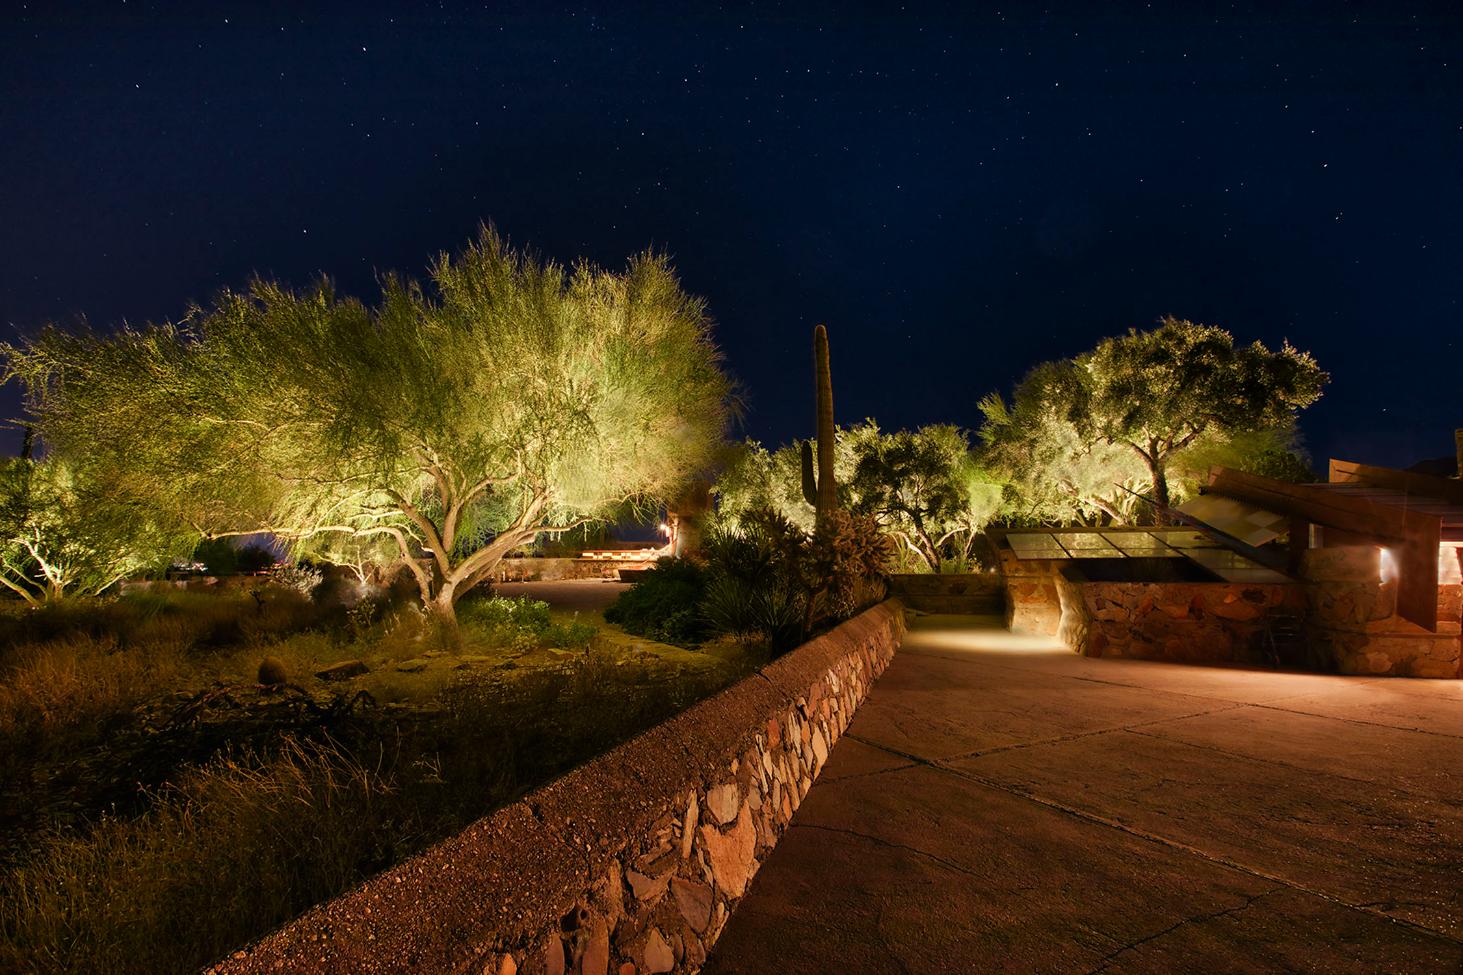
[
  {"x": 1388, "y": 565},
  {"x": 665, "y": 529},
  {"x": 982, "y": 640}
]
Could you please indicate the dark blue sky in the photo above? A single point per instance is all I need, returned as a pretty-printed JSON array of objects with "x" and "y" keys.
[{"x": 958, "y": 193}]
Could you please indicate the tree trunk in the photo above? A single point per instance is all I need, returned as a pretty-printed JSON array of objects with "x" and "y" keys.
[
  {"x": 444, "y": 605},
  {"x": 1160, "y": 491}
]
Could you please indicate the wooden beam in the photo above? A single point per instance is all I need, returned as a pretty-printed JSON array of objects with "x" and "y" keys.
[
  {"x": 1413, "y": 536},
  {"x": 1424, "y": 485}
]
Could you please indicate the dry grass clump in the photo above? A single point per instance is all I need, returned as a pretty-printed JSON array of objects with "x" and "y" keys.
[
  {"x": 77, "y": 680},
  {"x": 181, "y": 619},
  {"x": 233, "y": 848},
  {"x": 246, "y": 843}
]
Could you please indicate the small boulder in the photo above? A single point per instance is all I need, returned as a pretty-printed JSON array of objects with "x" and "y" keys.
[
  {"x": 344, "y": 670},
  {"x": 272, "y": 672},
  {"x": 413, "y": 666}
]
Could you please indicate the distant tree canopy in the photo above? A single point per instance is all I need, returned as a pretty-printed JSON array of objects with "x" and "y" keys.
[
  {"x": 455, "y": 420},
  {"x": 1126, "y": 412},
  {"x": 926, "y": 490},
  {"x": 922, "y": 487},
  {"x": 61, "y": 537}
]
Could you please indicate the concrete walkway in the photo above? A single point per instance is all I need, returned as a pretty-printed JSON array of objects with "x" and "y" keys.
[{"x": 1003, "y": 805}]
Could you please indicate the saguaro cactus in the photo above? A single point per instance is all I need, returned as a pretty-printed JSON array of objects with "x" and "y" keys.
[{"x": 821, "y": 491}]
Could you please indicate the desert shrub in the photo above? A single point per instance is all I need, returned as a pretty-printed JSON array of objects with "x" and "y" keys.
[
  {"x": 521, "y": 624},
  {"x": 751, "y": 585},
  {"x": 300, "y": 578},
  {"x": 573, "y": 635},
  {"x": 499, "y": 613},
  {"x": 664, "y": 604},
  {"x": 362, "y": 618},
  {"x": 842, "y": 564}
]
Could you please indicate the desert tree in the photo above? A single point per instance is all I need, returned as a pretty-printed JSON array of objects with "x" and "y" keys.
[
  {"x": 456, "y": 419},
  {"x": 1159, "y": 392},
  {"x": 1053, "y": 472},
  {"x": 60, "y": 537},
  {"x": 925, "y": 489},
  {"x": 1153, "y": 395}
]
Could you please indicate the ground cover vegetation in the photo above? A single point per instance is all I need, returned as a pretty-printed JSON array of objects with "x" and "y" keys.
[
  {"x": 182, "y": 770},
  {"x": 147, "y": 776}
]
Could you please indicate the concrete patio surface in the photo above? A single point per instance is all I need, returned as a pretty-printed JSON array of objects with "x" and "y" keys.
[{"x": 1000, "y": 804}]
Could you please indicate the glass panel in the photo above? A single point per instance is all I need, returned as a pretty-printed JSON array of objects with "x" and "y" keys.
[{"x": 1141, "y": 544}]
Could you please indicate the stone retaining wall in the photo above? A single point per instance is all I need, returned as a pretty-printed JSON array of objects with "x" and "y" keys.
[
  {"x": 556, "y": 570},
  {"x": 631, "y": 863},
  {"x": 954, "y": 592},
  {"x": 1190, "y": 622}
]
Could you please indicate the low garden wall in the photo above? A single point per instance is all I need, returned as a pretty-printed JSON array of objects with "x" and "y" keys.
[
  {"x": 629, "y": 864},
  {"x": 979, "y": 593}
]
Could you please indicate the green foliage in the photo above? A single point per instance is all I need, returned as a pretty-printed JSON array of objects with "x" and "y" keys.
[
  {"x": 523, "y": 623},
  {"x": 925, "y": 489},
  {"x": 751, "y": 582},
  {"x": 664, "y": 603},
  {"x": 61, "y": 535},
  {"x": 1053, "y": 474},
  {"x": 1160, "y": 391},
  {"x": 457, "y": 419},
  {"x": 1273, "y": 453},
  {"x": 1122, "y": 413}
]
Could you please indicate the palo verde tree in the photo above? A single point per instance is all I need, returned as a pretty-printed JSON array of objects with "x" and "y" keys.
[
  {"x": 60, "y": 537},
  {"x": 456, "y": 419}
]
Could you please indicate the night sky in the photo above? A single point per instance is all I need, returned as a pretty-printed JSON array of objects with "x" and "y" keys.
[{"x": 958, "y": 193}]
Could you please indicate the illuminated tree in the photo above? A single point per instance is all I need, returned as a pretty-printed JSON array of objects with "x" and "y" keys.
[
  {"x": 1052, "y": 471},
  {"x": 753, "y": 478},
  {"x": 925, "y": 489},
  {"x": 59, "y": 538},
  {"x": 1158, "y": 392},
  {"x": 1155, "y": 394},
  {"x": 456, "y": 419}
]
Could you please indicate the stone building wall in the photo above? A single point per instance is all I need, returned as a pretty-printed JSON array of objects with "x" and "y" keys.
[
  {"x": 630, "y": 864},
  {"x": 555, "y": 570},
  {"x": 1353, "y": 618},
  {"x": 1033, "y": 602},
  {"x": 1189, "y": 622}
]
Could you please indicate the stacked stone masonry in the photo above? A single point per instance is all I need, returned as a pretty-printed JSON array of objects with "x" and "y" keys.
[
  {"x": 970, "y": 593},
  {"x": 1182, "y": 622},
  {"x": 1353, "y": 616},
  {"x": 629, "y": 865}
]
